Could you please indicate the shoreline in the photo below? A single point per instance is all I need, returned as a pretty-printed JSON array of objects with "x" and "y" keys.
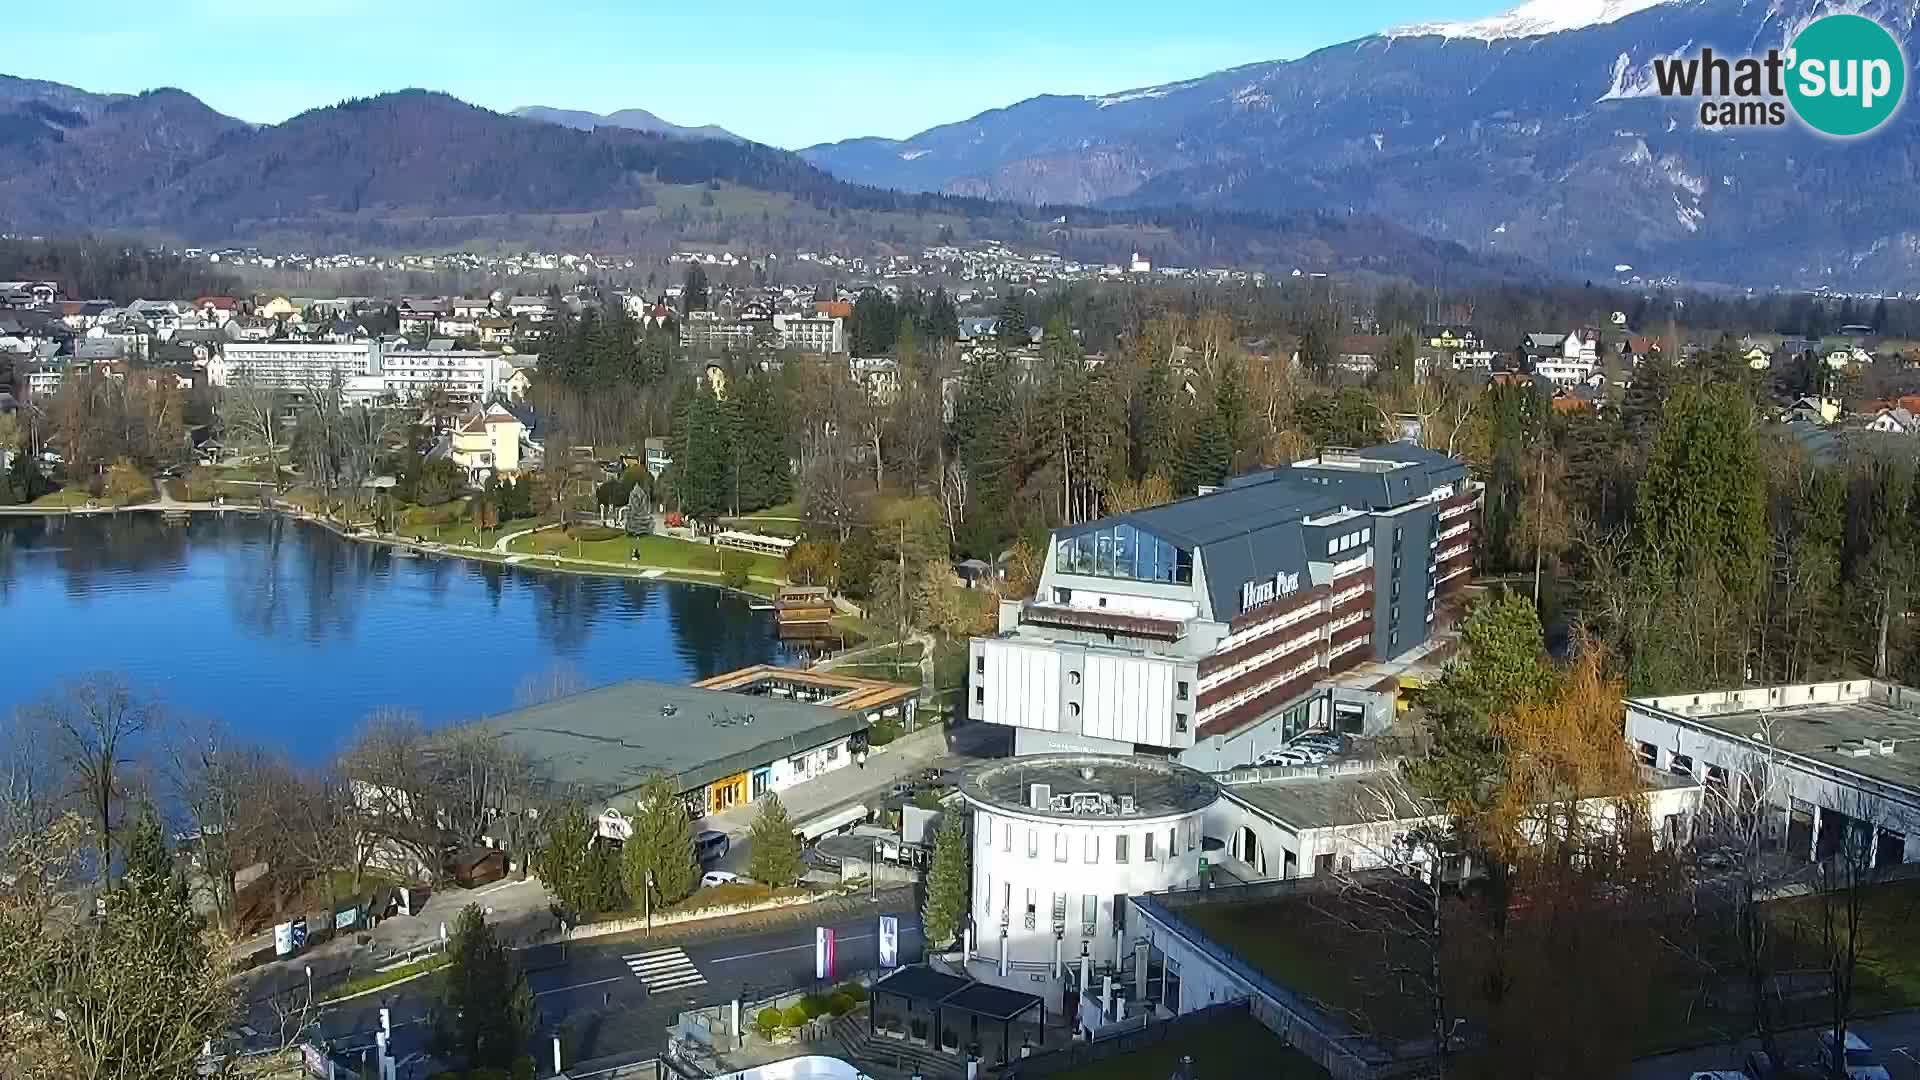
[{"x": 548, "y": 563}]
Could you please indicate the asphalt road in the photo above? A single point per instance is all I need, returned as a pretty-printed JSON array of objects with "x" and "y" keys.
[
  {"x": 1895, "y": 1039},
  {"x": 617, "y": 997}
]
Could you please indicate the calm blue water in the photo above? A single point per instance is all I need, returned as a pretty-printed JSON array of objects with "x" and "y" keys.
[{"x": 291, "y": 635}]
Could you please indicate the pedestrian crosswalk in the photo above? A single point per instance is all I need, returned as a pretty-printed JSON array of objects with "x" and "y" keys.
[{"x": 664, "y": 969}]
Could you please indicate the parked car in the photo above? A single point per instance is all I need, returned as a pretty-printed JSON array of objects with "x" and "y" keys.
[
  {"x": 717, "y": 877},
  {"x": 711, "y": 844},
  {"x": 1859, "y": 1058}
]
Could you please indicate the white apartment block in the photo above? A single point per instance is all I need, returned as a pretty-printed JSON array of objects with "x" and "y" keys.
[
  {"x": 466, "y": 375},
  {"x": 812, "y": 333},
  {"x": 294, "y": 367}
]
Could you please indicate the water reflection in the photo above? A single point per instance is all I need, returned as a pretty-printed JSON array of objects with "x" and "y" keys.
[{"x": 290, "y": 633}]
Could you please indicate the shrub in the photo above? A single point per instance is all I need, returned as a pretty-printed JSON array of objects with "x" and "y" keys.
[
  {"x": 840, "y": 1003},
  {"x": 768, "y": 1022},
  {"x": 795, "y": 1016},
  {"x": 883, "y": 731},
  {"x": 733, "y": 569},
  {"x": 855, "y": 991},
  {"x": 812, "y": 1005}
]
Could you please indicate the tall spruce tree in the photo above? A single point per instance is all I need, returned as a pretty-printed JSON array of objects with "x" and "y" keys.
[
  {"x": 762, "y": 475},
  {"x": 703, "y": 457},
  {"x": 562, "y": 861},
  {"x": 948, "y": 882},
  {"x": 661, "y": 846},
  {"x": 487, "y": 1014},
  {"x": 775, "y": 861}
]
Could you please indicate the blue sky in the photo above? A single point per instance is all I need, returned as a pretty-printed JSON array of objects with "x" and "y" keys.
[{"x": 786, "y": 73}]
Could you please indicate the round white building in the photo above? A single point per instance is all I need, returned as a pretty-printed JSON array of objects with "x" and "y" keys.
[{"x": 1060, "y": 841}]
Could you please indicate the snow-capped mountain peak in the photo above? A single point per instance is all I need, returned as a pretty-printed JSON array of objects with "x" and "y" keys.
[{"x": 1533, "y": 18}]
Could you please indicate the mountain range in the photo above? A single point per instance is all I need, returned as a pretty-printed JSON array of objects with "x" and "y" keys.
[
  {"x": 632, "y": 119},
  {"x": 418, "y": 170},
  {"x": 1536, "y": 133}
]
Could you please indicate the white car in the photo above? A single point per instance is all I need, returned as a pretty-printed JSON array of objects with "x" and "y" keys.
[
  {"x": 717, "y": 877},
  {"x": 1859, "y": 1058}
]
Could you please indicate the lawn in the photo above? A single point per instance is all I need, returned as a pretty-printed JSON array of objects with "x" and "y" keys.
[
  {"x": 1234, "y": 1046},
  {"x": 662, "y": 551},
  {"x": 65, "y": 497}
]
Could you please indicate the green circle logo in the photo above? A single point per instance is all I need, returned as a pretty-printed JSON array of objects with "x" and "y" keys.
[{"x": 1847, "y": 75}]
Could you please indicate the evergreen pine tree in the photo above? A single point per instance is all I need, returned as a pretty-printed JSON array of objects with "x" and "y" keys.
[
  {"x": 639, "y": 511},
  {"x": 563, "y": 859},
  {"x": 487, "y": 1013},
  {"x": 703, "y": 457},
  {"x": 1012, "y": 324},
  {"x": 948, "y": 881},
  {"x": 1205, "y": 455},
  {"x": 775, "y": 861},
  {"x": 605, "y": 889},
  {"x": 693, "y": 295},
  {"x": 149, "y": 865},
  {"x": 661, "y": 845}
]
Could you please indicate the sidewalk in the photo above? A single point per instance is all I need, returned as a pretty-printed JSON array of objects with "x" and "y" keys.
[{"x": 886, "y": 765}]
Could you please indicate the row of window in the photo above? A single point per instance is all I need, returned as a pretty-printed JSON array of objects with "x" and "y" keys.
[
  {"x": 1089, "y": 908},
  {"x": 1153, "y": 846},
  {"x": 1348, "y": 542},
  {"x": 1122, "y": 551}
]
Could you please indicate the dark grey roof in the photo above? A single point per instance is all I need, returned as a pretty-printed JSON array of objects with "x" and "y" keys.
[
  {"x": 921, "y": 983},
  {"x": 1158, "y": 788},
  {"x": 1250, "y": 528},
  {"x": 609, "y": 741}
]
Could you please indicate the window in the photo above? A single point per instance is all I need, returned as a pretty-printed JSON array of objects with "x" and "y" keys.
[
  {"x": 1120, "y": 847},
  {"x": 979, "y": 695},
  {"x": 1682, "y": 765},
  {"x": 980, "y": 664},
  {"x": 1180, "y": 722},
  {"x": 1006, "y": 902},
  {"x": 1717, "y": 780},
  {"x": 986, "y": 832},
  {"x": 1180, "y": 691},
  {"x": 986, "y": 899},
  {"x": 1648, "y": 754},
  {"x": 1146, "y": 848},
  {"x": 1006, "y": 838},
  {"x": 1033, "y": 843},
  {"x": 1073, "y": 678},
  {"x": 1193, "y": 835},
  {"x": 1173, "y": 841},
  {"x": 1073, "y": 708},
  {"x": 1031, "y": 899},
  {"x": 1060, "y": 912},
  {"x": 1089, "y": 914},
  {"x": 1060, "y": 846},
  {"x": 833, "y": 753},
  {"x": 1093, "y": 848}
]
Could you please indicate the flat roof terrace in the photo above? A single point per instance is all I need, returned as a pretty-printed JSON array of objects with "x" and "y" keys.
[{"x": 1864, "y": 727}]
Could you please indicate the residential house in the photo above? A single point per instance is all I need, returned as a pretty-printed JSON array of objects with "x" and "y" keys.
[
  {"x": 488, "y": 442},
  {"x": 1847, "y": 356},
  {"x": 658, "y": 457},
  {"x": 978, "y": 329},
  {"x": 468, "y": 375},
  {"x": 1894, "y": 421},
  {"x": 1638, "y": 348},
  {"x": 278, "y": 308},
  {"x": 1358, "y": 354},
  {"x": 255, "y": 329},
  {"x": 1564, "y": 359},
  {"x": 532, "y": 308},
  {"x": 880, "y": 375},
  {"x": 833, "y": 309},
  {"x": 419, "y": 316},
  {"x": 41, "y": 379},
  {"x": 218, "y": 309},
  {"x": 516, "y": 374},
  {"x": 457, "y": 326},
  {"x": 341, "y": 331},
  {"x": 494, "y": 331},
  {"x": 471, "y": 309}
]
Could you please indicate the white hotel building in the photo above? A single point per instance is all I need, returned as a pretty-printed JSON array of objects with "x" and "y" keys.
[
  {"x": 368, "y": 371},
  {"x": 1061, "y": 840},
  {"x": 1207, "y": 627}
]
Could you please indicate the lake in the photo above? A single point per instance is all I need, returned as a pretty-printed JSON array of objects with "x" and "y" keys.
[{"x": 292, "y": 635}]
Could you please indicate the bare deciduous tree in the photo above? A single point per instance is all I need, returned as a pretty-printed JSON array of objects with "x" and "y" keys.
[{"x": 96, "y": 725}]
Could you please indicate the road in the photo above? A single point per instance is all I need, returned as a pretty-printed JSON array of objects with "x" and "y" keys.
[
  {"x": 1895, "y": 1037},
  {"x": 617, "y": 996}
]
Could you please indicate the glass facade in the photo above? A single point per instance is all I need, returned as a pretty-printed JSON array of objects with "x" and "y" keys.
[{"x": 1122, "y": 551}]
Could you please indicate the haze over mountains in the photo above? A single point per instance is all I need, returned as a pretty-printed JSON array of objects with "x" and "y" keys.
[
  {"x": 632, "y": 119},
  {"x": 416, "y": 170},
  {"x": 1527, "y": 139},
  {"x": 1533, "y": 133}
]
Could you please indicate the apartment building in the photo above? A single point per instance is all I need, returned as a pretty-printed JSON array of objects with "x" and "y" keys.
[
  {"x": 467, "y": 375},
  {"x": 294, "y": 367},
  {"x": 816, "y": 333},
  {"x": 1203, "y": 627}
]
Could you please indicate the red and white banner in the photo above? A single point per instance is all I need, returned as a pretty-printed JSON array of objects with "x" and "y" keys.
[{"x": 823, "y": 952}]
